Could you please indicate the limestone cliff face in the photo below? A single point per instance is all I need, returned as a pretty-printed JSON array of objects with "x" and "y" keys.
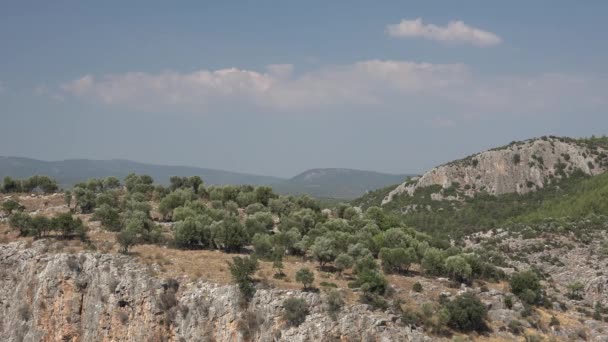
[
  {"x": 520, "y": 167},
  {"x": 100, "y": 297}
]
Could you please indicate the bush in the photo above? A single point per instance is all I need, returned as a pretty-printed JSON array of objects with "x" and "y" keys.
[
  {"x": 417, "y": 287},
  {"x": 334, "y": 303},
  {"x": 20, "y": 221},
  {"x": 241, "y": 270},
  {"x": 10, "y": 205},
  {"x": 526, "y": 286},
  {"x": 296, "y": 311},
  {"x": 433, "y": 261},
  {"x": 108, "y": 216},
  {"x": 305, "y": 276},
  {"x": 458, "y": 268},
  {"x": 466, "y": 313},
  {"x": 370, "y": 282}
]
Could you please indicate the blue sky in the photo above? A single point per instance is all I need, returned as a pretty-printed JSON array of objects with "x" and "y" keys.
[{"x": 276, "y": 87}]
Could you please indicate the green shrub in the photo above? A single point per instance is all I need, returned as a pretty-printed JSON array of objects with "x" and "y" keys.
[
  {"x": 305, "y": 276},
  {"x": 526, "y": 286},
  {"x": 466, "y": 313},
  {"x": 242, "y": 269},
  {"x": 296, "y": 311}
]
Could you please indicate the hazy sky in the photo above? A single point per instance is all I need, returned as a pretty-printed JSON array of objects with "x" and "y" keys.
[{"x": 276, "y": 87}]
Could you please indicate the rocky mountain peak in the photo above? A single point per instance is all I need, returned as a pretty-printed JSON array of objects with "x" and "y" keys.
[{"x": 519, "y": 167}]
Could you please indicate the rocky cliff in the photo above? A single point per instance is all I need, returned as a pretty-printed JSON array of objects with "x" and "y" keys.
[
  {"x": 101, "y": 297},
  {"x": 519, "y": 167}
]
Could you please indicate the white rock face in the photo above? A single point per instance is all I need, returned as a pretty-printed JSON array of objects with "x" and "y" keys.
[
  {"x": 101, "y": 297},
  {"x": 499, "y": 171}
]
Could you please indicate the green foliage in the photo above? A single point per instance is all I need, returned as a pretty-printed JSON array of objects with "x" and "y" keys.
[
  {"x": 108, "y": 216},
  {"x": 296, "y": 311},
  {"x": 10, "y": 205},
  {"x": 324, "y": 250},
  {"x": 305, "y": 276},
  {"x": 433, "y": 261},
  {"x": 242, "y": 269},
  {"x": 262, "y": 245},
  {"x": 229, "y": 234},
  {"x": 85, "y": 199},
  {"x": 343, "y": 262},
  {"x": 175, "y": 199},
  {"x": 526, "y": 286},
  {"x": 466, "y": 313},
  {"x": 68, "y": 226},
  {"x": 37, "y": 182},
  {"x": 126, "y": 238},
  {"x": 193, "y": 232},
  {"x": 575, "y": 195},
  {"x": 39, "y": 226},
  {"x": 20, "y": 221},
  {"x": 260, "y": 222},
  {"x": 10, "y": 185},
  {"x": 370, "y": 282},
  {"x": 417, "y": 287},
  {"x": 458, "y": 268},
  {"x": 193, "y": 183},
  {"x": 397, "y": 259},
  {"x": 44, "y": 183},
  {"x": 139, "y": 183},
  {"x": 579, "y": 200}
]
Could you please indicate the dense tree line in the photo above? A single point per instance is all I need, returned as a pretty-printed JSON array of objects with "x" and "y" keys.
[{"x": 35, "y": 183}]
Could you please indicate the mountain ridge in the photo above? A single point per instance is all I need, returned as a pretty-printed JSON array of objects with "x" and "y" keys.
[
  {"x": 519, "y": 167},
  {"x": 340, "y": 183}
]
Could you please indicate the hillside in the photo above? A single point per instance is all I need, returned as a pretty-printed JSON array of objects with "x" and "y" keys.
[
  {"x": 336, "y": 182},
  {"x": 519, "y": 167},
  {"x": 454, "y": 211},
  {"x": 588, "y": 197}
]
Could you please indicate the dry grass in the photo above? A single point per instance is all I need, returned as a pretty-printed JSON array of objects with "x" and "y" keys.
[{"x": 40, "y": 202}]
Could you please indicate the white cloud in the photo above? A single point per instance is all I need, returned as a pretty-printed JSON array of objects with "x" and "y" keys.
[
  {"x": 366, "y": 86},
  {"x": 455, "y": 32}
]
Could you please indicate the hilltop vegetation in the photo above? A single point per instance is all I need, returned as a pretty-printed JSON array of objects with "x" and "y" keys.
[{"x": 330, "y": 183}]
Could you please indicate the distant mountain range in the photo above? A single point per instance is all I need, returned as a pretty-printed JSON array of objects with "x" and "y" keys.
[
  {"x": 337, "y": 183},
  {"x": 329, "y": 183}
]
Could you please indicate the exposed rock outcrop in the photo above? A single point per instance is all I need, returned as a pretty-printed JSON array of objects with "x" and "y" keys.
[
  {"x": 519, "y": 167},
  {"x": 101, "y": 297}
]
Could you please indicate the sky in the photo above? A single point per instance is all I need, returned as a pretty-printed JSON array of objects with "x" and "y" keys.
[{"x": 278, "y": 87}]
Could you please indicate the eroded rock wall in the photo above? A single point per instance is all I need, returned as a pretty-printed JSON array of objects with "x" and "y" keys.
[{"x": 101, "y": 297}]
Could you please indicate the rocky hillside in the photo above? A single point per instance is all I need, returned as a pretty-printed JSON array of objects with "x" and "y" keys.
[
  {"x": 100, "y": 297},
  {"x": 520, "y": 167}
]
